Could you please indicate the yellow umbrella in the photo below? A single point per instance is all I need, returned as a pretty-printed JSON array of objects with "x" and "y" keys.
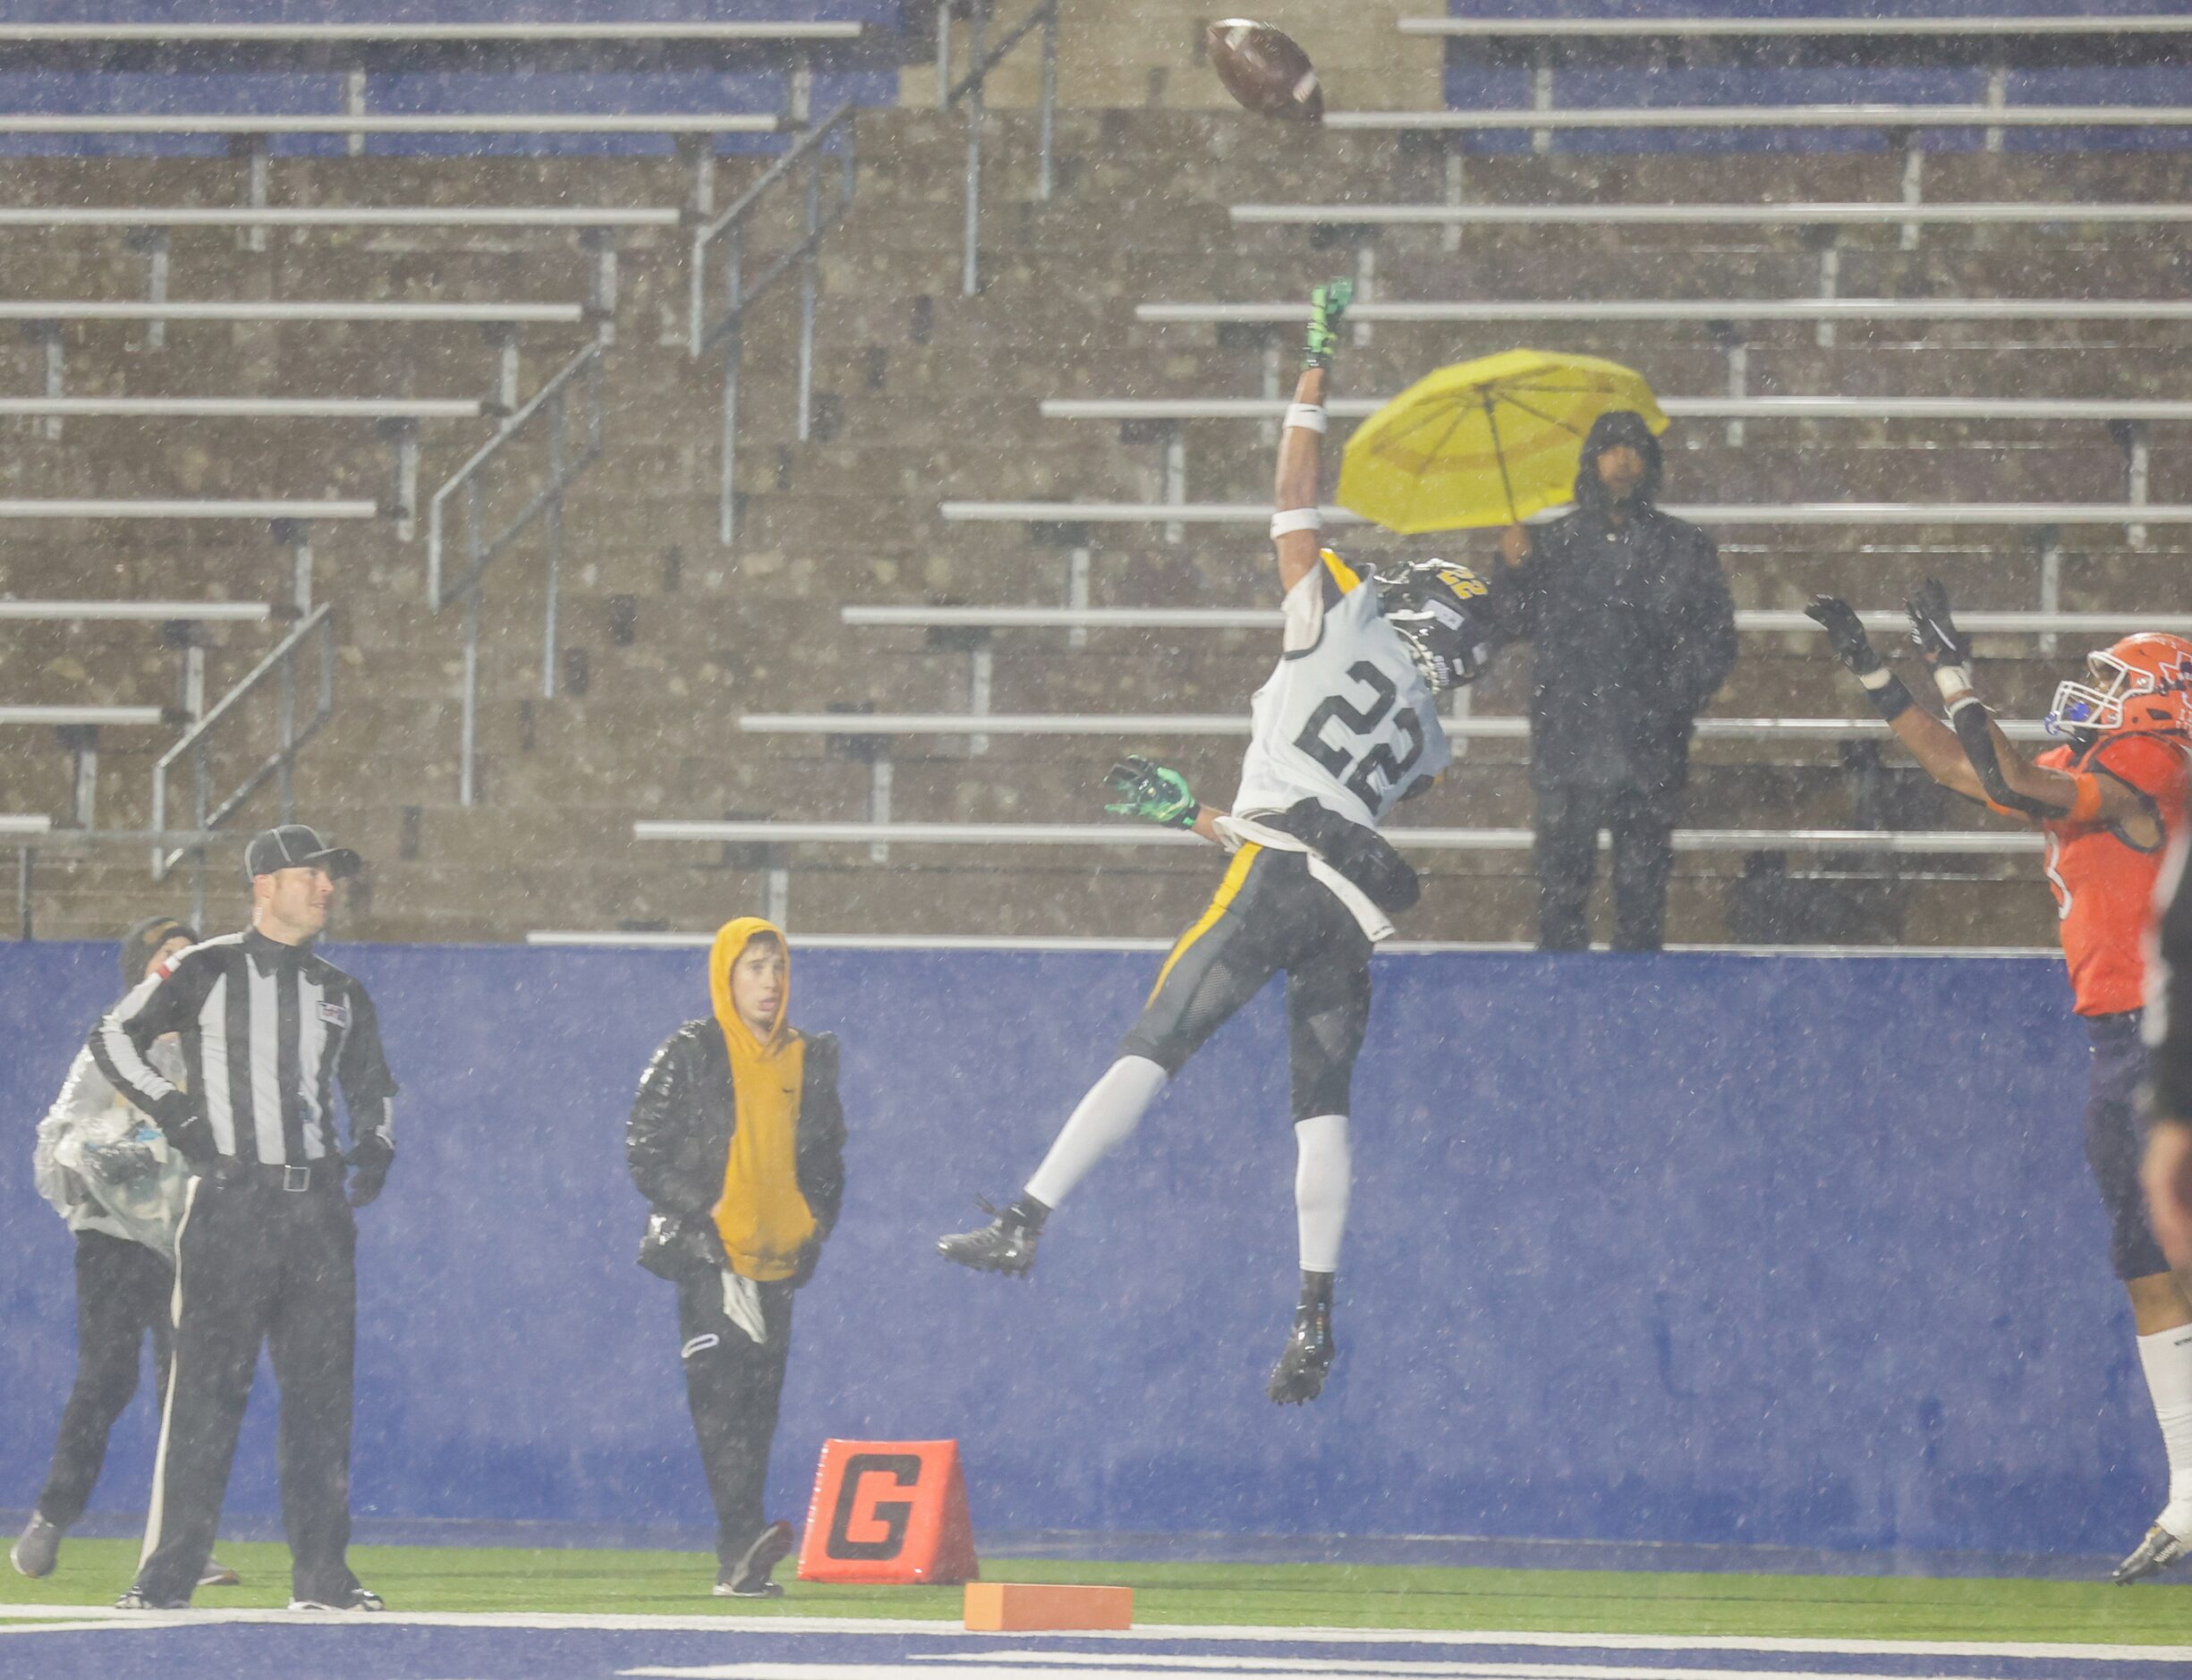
[{"x": 1487, "y": 442}]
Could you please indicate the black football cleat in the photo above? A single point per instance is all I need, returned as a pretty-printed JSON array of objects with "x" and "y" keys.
[
  {"x": 1006, "y": 1244},
  {"x": 2151, "y": 1557},
  {"x": 1299, "y": 1375}
]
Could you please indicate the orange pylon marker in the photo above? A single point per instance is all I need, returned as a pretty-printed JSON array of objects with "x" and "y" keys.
[{"x": 889, "y": 1514}]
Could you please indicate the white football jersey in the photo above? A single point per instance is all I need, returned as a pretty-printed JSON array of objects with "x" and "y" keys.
[{"x": 1346, "y": 720}]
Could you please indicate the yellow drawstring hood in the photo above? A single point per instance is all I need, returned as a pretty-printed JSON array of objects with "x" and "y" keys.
[{"x": 763, "y": 1219}]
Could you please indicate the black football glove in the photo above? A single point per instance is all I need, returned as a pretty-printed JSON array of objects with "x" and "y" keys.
[
  {"x": 1845, "y": 634},
  {"x": 1932, "y": 628},
  {"x": 1327, "y": 307},
  {"x": 1150, "y": 791},
  {"x": 369, "y": 1164}
]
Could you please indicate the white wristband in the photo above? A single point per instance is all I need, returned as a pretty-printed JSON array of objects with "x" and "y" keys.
[
  {"x": 1953, "y": 681},
  {"x": 1295, "y": 519},
  {"x": 1877, "y": 678},
  {"x": 1308, "y": 416}
]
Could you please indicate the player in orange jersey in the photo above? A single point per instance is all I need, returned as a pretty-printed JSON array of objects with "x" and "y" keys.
[{"x": 2109, "y": 800}]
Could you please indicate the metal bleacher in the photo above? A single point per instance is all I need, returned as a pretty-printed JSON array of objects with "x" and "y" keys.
[
  {"x": 1164, "y": 607},
  {"x": 125, "y": 89}
]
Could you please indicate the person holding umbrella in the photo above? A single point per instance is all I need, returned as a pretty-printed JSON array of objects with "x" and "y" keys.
[
  {"x": 1625, "y": 605},
  {"x": 1633, "y": 630}
]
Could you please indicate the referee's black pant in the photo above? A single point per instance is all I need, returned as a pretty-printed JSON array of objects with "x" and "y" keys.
[
  {"x": 122, "y": 1289},
  {"x": 258, "y": 1263}
]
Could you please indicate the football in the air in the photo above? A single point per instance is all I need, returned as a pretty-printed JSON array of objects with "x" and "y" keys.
[{"x": 1266, "y": 71}]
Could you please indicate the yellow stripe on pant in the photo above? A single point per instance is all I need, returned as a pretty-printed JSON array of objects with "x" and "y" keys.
[{"x": 1228, "y": 890}]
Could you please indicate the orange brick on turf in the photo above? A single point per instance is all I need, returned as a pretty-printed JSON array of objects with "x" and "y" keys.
[{"x": 1007, "y": 1606}]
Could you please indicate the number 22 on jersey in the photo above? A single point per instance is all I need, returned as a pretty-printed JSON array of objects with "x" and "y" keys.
[{"x": 1376, "y": 728}]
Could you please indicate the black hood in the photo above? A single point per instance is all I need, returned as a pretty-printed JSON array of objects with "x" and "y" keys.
[
  {"x": 1610, "y": 431},
  {"x": 142, "y": 939}
]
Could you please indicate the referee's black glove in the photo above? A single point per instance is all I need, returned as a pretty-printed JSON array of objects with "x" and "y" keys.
[
  {"x": 369, "y": 1162},
  {"x": 178, "y": 1116}
]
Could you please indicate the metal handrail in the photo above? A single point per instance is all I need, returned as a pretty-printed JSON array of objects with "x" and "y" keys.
[
  {"x": 1478, "y": 727},
  {"x": 1807, "y": 513},
  {"x": 1751, "y": 621},
  {"x": 1893, "y": 117},
  {"x": 208, "y": 813},
  {"x": 726, "y": 330},
  {"x": 969, "y": 88},
  {"x": 1969, "y": 842},
  {"x": 482, "y": 546}
]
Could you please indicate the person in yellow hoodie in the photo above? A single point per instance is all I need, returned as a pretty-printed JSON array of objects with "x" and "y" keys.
[{"x": 737, "y": 1141}]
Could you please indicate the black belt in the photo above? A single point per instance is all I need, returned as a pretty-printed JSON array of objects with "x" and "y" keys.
[{"x": 322, "y": 1175}]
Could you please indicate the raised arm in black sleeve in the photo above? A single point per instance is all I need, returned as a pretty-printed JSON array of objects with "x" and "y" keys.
[
  {"x": 153, "y": 1008},
  {"x": 1517, "y": 592},
  {"x": 369, "y": 1090},
  {"x": 2169, "y": 996}
]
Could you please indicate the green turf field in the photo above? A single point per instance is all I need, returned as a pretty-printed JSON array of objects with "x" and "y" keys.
[{"x": 1329, "y": 1595}]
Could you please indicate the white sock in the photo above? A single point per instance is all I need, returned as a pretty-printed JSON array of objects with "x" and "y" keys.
[
  {"x": 1106, "y": 1118},
  {"x": 2166, "y": 1357},
  {"x": 1323, "y": 1176}
]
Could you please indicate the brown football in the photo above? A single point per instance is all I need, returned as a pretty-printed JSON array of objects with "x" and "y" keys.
[{"x": 1266, "y": 71}]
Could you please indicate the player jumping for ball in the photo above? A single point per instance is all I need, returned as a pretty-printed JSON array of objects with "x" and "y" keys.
[
  {"x": 1346, "y": 728},
  {"x": 2109, "y": 801}
]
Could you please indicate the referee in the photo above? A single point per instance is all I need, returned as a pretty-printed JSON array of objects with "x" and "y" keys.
[{"x": 268, "y": 1247}]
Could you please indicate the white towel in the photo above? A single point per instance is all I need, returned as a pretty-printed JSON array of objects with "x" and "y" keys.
[{"x": 742, "y": 1305}]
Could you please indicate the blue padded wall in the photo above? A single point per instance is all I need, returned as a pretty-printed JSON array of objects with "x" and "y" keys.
[{"x": 1688, "y": 1248}]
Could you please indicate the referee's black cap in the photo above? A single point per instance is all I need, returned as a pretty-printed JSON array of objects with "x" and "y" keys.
[{"x": 294, "y": 846}]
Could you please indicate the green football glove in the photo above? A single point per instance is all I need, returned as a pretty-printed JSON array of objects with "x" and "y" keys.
[
  {"x": 1150, "y": 791},
  {"x": 1327, "y": 307}
]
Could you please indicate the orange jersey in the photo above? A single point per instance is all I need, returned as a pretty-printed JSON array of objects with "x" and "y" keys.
[{"x": 2103, "y": 885}]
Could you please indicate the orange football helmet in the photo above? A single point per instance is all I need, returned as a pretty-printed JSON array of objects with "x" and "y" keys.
[{"x": 2142, "y": 685}]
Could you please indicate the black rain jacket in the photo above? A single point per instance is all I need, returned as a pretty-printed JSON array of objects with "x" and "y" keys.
[
  {"x": 678, "y": 1144},
  {"x": 1633, "y": 630}
]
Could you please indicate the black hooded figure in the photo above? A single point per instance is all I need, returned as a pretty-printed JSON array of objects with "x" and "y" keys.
[{"x": 1633, "y": 630}]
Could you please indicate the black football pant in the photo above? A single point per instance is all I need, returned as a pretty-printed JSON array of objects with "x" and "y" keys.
[
  {"x": 733, "y": 1388},
  {"x": 1641, "y": 823},
  {"x": 258, "y": 1263},
  {"x": 122, "y": 1289},
  {"x": 1269, "y": 913}
]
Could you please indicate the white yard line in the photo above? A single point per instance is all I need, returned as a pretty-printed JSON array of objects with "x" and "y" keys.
[
  {"x": 1170, "y": 1633},
  {"x": 1052, "y": 1660}
]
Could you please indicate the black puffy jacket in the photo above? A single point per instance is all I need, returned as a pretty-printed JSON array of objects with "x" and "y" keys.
[
  {"x": 679, "y": 1142},
  {"x": 1632, "y": 627}
]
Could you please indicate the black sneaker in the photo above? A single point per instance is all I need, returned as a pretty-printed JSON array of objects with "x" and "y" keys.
[
  {"x": 356, "y": 1598},
  {"x": 135, "y": 1599},
  {"x": 1299, "y": 1375},
  {"x": 1006, "y": 1244},
  {"x": 748, "y": 1578},
  {"x": 37, "y": 1550}
]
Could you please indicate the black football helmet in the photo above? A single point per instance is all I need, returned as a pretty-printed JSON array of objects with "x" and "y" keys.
[{"x": 1439, "y": 609}]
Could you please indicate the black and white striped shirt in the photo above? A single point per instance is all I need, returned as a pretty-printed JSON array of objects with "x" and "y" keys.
[{"x": 267, "y": 1029}]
